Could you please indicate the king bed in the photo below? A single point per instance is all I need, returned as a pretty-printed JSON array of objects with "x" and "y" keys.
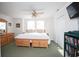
[{"x": 34, "y": 39}]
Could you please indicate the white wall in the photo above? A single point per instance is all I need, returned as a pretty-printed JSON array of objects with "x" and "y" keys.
[
  {"x": 13, "y": 21},
  {"x": 9, "y": 20},
  {"x": 49, "y": 27},
  {"x": 62, "y": 23},
  {"x": 18, "y": 30}
]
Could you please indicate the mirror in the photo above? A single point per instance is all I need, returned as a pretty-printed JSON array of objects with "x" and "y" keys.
[{"x": 3, "y": 26}]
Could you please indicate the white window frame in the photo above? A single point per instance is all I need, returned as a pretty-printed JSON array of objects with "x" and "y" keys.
[{"x": 36, "y": 25}]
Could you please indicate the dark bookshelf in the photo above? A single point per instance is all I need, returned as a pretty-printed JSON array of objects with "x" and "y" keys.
[{"x": 71, "y": 44}]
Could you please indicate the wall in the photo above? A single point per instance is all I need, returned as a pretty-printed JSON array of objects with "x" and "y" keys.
[
  {"x": 62, "y": 23},
  {"x": 13, "y": 21},
  {"x": 49, "y": 27},
  {"x": 18, "y": 30},
  {"x": 9, "y": 20}
]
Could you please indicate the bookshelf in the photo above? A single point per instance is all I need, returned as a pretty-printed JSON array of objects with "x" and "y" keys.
[{"x": 71, "y": 44}]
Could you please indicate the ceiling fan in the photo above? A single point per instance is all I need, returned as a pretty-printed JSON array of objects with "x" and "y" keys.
[{"x": 35, "y": 12}]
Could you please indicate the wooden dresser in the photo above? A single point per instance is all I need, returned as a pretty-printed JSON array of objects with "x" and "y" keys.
[
  {"x": 10, "y": 37},
  {"x": 3, "y": 40},
  {"x": 6, "y": 38}
]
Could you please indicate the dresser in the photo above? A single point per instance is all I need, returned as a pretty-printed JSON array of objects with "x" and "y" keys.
[
  {"x": 6, "y": 39},
  {"x": 3, "y": 39},
  {"x": 10, "y": 37}
]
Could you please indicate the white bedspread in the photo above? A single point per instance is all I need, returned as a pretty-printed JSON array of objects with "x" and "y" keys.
[{"x": 34, "y": 36}]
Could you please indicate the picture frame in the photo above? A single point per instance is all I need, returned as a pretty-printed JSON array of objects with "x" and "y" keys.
[
  {"x": 10, "y": 24},
  {"x": 17, "y": 25}
]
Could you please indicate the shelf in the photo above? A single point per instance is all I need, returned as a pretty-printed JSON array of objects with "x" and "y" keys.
[
  {"x": 74, "y": 34},
  {"x": 66, "y": 50},
  {"x": 70, "y": 54},
  {"x": 72, "y": 45}
]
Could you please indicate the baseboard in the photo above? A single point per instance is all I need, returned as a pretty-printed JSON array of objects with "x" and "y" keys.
[{"x": 56, "y": 44}]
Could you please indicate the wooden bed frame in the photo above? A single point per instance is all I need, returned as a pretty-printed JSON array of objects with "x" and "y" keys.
[
  {"x": 39, "y": 43},
  {"x": 35, "y": 42},
  {"x": 22, "y": 42}
]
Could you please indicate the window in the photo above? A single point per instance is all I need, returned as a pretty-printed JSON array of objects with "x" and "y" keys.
[
  {"x": 30, "y": 25},
  {"x": 40, "y": 25}
]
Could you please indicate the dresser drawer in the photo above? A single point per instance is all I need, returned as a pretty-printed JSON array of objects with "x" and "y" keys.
[
  {"x": 4, "y": 40},
  {"x": 10, "y": 37}
]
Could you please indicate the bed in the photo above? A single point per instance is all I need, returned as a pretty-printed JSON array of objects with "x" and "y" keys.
[{"x": 33, "y": 39}]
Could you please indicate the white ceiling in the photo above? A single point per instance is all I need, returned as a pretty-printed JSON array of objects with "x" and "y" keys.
[{"x": 22, "y": 9}]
